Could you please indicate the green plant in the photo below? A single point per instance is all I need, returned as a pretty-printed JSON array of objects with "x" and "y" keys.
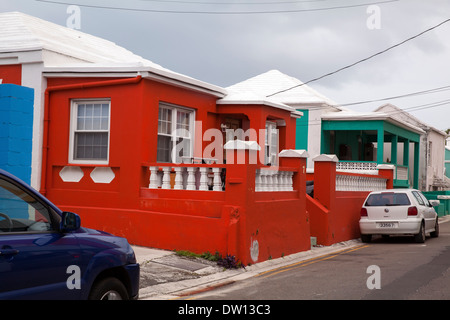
[
  {"x": 211, "y": 257},
  {"x": 229, "y": 262},
  {"x": 205, "y": 255},
  {"x": 186, "y": 253}
]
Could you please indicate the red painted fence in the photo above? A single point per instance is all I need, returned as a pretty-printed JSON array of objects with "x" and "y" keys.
[{"x": 334, "y": 215}]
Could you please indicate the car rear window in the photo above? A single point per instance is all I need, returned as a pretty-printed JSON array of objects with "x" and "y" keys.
[{"x": 388, "y": 199}]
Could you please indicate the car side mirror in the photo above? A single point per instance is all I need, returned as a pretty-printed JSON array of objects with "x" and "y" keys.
[
  {"x": 70, "y": 222},
  {"x": 434, "y": 203}
]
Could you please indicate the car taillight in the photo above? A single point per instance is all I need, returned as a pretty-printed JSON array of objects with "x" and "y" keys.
[
  {"x": 412, "y": 211},
  {"x": 363, "y": 212}
]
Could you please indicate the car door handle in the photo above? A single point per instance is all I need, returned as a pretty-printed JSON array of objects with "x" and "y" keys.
[{"x": 8, "y": 252}]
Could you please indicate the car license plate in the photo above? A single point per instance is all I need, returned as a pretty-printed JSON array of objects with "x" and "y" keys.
[{"x": 387, "y": 225}]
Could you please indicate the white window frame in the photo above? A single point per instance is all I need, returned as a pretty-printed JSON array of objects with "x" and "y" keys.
[
  {"x": 174, "y": 109},
  {"x": 271, "y": 150},
  {"x": 73, "y": 130}
]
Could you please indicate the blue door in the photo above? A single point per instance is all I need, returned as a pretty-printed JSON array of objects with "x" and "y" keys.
[{"x": 34, "y": 255}]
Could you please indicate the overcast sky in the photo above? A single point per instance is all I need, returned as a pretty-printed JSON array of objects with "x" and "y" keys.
[{"x": 227, "y": 48}]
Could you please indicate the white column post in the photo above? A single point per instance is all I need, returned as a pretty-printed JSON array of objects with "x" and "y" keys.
[
  {"x": 258, "y": 180},
  {"x": 217, "y": 181},
  {"x": 166, "y": 178},
  {"x": 178, "y": 178},
  {"x": 153, "y": 178},
  {"x": 191, "y": 178},
  {"x": 203, "y": 178}
]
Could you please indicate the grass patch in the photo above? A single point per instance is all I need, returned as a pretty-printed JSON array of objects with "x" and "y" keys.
[
  {"x": 228, "y": 262},
  {"x": 205, "y": 255}
]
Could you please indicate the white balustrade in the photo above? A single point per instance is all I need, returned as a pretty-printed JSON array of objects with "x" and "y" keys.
[
  {"x": 273, "y": 180},
  {"x": 359, "y": 183},
  {"x": 185, "y": 178},
  {"x": 266, "y": 179}
]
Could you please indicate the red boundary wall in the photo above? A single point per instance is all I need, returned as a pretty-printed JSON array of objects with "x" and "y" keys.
[
  {"x": 253, "y": 226},
  {"x": 334, "y": 215}
]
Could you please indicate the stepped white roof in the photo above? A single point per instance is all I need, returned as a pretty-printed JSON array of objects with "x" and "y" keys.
[
  {"x": 64, "y": 50},
  {"x": 269, "y": 85},
  {"x": 404, "y": 116},
  {"x": 22, "y": 32}
]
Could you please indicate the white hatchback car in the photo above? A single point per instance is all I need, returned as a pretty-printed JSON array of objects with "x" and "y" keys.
[{"x": 398, "y": 212}]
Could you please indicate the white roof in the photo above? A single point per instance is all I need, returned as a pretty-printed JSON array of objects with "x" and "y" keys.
[
  {"x": 249, "y": 97},
  {"x": 68, "y": 51},
  {"x": 404, "y": 116},
  {"x": 268, "y": 85},
  {"x": 22, "y": 32}
]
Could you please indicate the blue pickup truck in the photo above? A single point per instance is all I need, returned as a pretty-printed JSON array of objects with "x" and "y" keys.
[{"x": 46, "y": 254}]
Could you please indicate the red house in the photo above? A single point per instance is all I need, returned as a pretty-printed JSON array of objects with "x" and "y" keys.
[{"x": 138, "y": 150}]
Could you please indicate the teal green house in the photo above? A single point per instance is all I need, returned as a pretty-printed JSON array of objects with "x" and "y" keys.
[{"x": 361, "y": 141}]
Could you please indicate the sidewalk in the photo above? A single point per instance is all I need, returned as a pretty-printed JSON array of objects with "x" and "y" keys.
[{"x": 165, "y": 275}]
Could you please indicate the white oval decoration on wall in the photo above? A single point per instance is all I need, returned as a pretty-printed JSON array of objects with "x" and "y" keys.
[
  {"x": 71, "y": 174},
  {"x": 102, "y": 175}
]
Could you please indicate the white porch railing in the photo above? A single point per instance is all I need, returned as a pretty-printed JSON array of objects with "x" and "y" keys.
[
  {"x": 370, "y": 167},
  {"x": 267, "y": 179},
  {"x": 186, "y": 177},
  {"x": 357, "y": 166},
  {"x": 359, "y": 183}
]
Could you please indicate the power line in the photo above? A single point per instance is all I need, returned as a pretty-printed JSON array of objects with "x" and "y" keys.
[
  {"x": 363, "y": 60},
  {"x": 406, "y": 95},
  {"x": 220, "y": 12},
  {"x": 406, "y": 110},
  {"x": 435, "y": 90}
]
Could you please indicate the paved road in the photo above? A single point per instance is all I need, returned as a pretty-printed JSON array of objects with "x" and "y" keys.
[{"x": 407, "y": 270}]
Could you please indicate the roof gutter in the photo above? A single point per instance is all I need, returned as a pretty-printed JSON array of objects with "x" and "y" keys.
[
  {"x": 147, "y": 72},
  {"x": 84, "y": 85}
]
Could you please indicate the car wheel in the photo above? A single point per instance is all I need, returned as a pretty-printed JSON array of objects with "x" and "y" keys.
[
  {"x": 420, "y": 237},
  {"x": 108, "y": 289},
  {"x": 366, "y": 238},
  {"x": 435, "y": 233}
]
